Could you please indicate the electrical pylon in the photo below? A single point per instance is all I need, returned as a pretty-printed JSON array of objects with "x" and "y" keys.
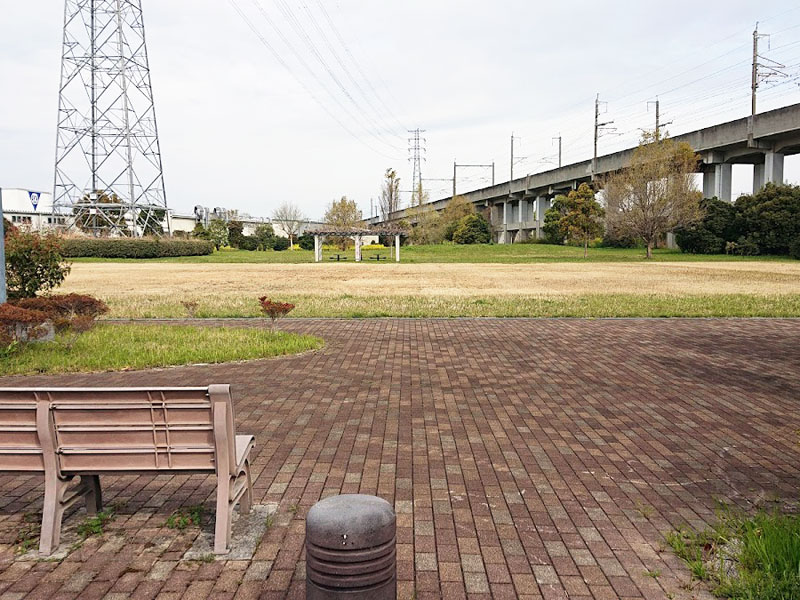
[
  {"x": 108, "y": 176},
  {"x": 416, "y": 149}
]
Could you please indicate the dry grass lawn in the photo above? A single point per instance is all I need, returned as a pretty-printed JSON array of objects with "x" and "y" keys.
[{"x": 156, "y": 289}]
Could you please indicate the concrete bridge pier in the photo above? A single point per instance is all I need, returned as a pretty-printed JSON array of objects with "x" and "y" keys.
[
  {"x": 542, "y": 204},
  {"x": 770, "y": 171},
  {"x": 717, "y": 181}
]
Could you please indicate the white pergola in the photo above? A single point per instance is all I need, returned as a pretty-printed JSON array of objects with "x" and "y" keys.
[{"x": 355, "y": 233}]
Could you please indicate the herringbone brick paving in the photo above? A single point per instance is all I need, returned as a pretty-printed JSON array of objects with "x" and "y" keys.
[{"x": 525, "y": 458}]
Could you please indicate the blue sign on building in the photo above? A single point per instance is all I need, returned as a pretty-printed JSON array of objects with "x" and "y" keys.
[{"x": 34, "y": 196}]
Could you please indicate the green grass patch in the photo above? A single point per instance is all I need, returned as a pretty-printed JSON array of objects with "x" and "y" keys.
[
  {"x": 450, "y": 253},
  {"x": 95, "y": 525},
  {"x": 125, "y": 347},
  {"x": 186, "y": 517},
  {"x": 28, "y": 535},
  {"x": 578, "y": 306},
  {"x": 745, "y": 557}
]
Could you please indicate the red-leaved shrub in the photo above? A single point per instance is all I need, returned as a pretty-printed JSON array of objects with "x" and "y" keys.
[
  {"x": 274, "y": 310},
  {"x": 65, "y": 305},
  {"x": 19, "y": 325}
]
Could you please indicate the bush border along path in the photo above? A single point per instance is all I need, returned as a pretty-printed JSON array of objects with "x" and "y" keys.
[{"x": 127, "y": 248}]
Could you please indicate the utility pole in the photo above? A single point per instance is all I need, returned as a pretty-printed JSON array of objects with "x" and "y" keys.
[
  {"x": 559, "y": 148},
  {"x": 598, "y": 129},
  {"x": 659, "y": 124},
  {"x": 770, "y": 68},
  {"x": 512, "y": 158}
]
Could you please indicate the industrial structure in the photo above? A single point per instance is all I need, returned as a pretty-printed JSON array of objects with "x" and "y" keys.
[
  {"x": 108, "y": 170},
  {"x": 516, "y": 208}
]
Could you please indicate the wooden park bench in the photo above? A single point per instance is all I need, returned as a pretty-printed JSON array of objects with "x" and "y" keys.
[{"x": 87, "y": 432}]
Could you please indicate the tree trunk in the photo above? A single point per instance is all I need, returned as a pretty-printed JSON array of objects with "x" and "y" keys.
[
  {"x": 649, "y": 249},
  {"x": 585, "y": 247}
]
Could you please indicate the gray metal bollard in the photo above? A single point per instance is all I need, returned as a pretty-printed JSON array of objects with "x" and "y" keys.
[{"x": 351, "y": 549}]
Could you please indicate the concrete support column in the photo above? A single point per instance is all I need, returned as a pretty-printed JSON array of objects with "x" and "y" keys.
[
  {"x": 505, "y": 222},
  {"x": 397, "y": 247},
  {"x": 773, "y": 168},
  {"x": 717, "y": 181},
  {"x": 541, "y": 208},
  {"x": 523, "y": 210},
  {"x": 317, "y": 249},
  {"x": 358, "y": 248},
  {"x": 758, "y": 178}
]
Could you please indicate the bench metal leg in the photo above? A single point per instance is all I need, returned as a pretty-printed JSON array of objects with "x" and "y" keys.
[
  {"x": 59, "y": 495},
  {"x": 246, "y": 503},
  {"x": 94, "y": 495},
  {"x": 222, "y": 529},
  {"x": 52, "y": 513}
]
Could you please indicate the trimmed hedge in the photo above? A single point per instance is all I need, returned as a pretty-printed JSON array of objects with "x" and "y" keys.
[{"x": 133, "y": 248}]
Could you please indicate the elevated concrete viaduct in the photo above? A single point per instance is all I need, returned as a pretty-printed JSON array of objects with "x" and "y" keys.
[{"x": 516, "y": 208}]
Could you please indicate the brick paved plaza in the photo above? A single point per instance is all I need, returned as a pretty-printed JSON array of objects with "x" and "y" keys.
[{"x": 525, "y": 458}]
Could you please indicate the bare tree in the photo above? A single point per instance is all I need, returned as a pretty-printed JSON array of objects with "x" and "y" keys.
[
  {"x": 656, "y": 193},
  {"x": 390, "y": 195},
  {"x": 291, "y": 219}
]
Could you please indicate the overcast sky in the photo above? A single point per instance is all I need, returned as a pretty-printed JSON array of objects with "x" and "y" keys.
[{"x": 240, "y": 130}]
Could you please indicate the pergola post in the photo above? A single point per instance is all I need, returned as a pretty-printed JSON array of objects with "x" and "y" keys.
[
  {"x": 397, "y": 246},
  {"x": 317, "y": 248},
  {"x": 358, "y": 247}
]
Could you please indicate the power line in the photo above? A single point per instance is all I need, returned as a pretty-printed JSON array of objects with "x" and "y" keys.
[
  {"x": 306, "y": 39},
  {"x": 278, "y": 57},
  {"x": 332, "y": 26}
]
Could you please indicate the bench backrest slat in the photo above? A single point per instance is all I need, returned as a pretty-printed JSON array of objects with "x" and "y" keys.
[
  {"x": 126, "y": 429},
  {"x": 20, "y": 449}
]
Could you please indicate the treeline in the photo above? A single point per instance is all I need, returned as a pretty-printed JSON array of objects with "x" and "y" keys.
[
  {"x": 458, "y": 223},
  {"x": 231, "y": 234}
]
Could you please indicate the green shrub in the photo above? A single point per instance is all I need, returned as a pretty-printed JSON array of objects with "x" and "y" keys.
[
  {"x": 746, "y": 246},
  {"x": 248, "y": 242},
  {"x": 281, "y": 244},
  {"x": 552, "y": 219},
  {"x": 265, "y": 236},
  {"x": 710, "y": 235},
  {"x": 218, "y": 233},
  {"x": 473, "y": 229},
  {"x": 235, "y": 234},
  {"x": 306, "y": 241},
  {"x": 134, "y": 247},
  {"x": 794, "y": 249},
  {"x": 34, "y": 263},
  {"x": 770, "y": 219}
]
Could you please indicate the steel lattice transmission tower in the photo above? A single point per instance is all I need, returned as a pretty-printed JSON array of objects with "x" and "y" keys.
[
  {"x": 416, "y": 149},
  {"x": 108, "y": 172}
]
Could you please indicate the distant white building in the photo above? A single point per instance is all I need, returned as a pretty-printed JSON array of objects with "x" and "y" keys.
[{"x": 30, "y": 209}]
